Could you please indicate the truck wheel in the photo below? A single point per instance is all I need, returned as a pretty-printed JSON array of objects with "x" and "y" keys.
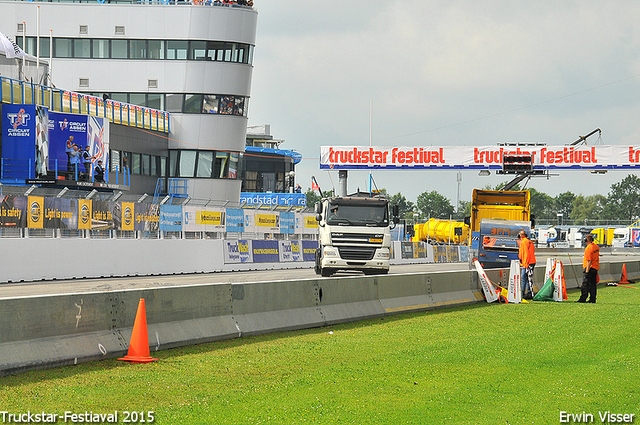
[{"x": 325, "y": 272}]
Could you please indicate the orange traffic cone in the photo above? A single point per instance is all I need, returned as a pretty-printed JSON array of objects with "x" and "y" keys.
[
  {"x": 623, "y": 278},
  {"x": 139, "y": 344}
]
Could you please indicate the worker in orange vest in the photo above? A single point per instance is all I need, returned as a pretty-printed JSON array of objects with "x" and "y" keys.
[{"x": 527, "y": 255}]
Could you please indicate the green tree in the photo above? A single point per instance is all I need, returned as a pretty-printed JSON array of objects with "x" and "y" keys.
[
  {"x": 623, "y": 201},
  {"x": 563, "y": 204},
  {"x": 542, "y": 205},
  {"x": 587, "y": 208},
  {"x": 313, "y": 197},
  {"x": 405, "y": 207},
  {"x": 433, "y": 204}
]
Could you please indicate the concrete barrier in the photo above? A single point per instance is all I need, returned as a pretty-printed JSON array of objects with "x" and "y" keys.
[{"x": 48, "y": 331}]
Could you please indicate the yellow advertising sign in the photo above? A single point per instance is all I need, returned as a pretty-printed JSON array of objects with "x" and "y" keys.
[
  {"x": 35, "y": 213},
  {"x": 84, "y": 213},
  {"x": 128, "y": 209},
  {"x": 266, "y": 220},
  {"x": 310, "y": 222},
  {"x": 211, "y": 218}
]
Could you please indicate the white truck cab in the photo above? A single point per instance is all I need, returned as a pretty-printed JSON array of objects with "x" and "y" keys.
[{"x": 354, "y": 234}]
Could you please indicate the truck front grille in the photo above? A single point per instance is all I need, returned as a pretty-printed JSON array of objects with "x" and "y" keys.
[{"x": 356, "y": 253}]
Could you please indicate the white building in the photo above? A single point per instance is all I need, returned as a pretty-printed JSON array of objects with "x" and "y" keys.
[{"x": 193, "y": 60}]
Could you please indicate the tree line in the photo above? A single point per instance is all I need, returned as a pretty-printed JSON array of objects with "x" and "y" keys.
[{"x": 620, "y": 207}]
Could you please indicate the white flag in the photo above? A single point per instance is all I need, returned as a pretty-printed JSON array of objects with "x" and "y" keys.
[{"x": 9, "y": 48}]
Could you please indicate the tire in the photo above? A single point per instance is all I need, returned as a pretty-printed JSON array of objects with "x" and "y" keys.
[{"x": 324, "y": 272}]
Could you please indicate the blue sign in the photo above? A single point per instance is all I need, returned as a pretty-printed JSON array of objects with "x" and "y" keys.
[
  {"x": 235, "y": 220},
  {"x": 287, "y": 222},
  {"x": 19, "y": 141},
  {"x": 171, "y": 218},
  {"x": 309, "y": 250},
  {"x": 265, "y": 251},
  {"x": 283, "y": 199}
]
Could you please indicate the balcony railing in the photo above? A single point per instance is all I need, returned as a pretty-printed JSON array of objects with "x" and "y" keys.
[{"x": 23, "y": 92}]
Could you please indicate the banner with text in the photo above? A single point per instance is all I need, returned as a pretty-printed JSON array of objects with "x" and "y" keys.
[{"x": 483, "y": 157}]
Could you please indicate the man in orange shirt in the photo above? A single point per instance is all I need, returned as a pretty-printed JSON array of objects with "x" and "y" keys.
[
  {"x": 527, "y": 255},
  {"x": 591, "y": 265}
]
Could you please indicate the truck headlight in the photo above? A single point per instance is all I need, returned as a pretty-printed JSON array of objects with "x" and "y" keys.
[{"x": 382, "y": 254}]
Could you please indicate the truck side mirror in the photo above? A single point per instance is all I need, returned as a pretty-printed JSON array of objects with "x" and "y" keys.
[
  {"x": 318, "y": 208},
  {"x": 396, "y": 211}
]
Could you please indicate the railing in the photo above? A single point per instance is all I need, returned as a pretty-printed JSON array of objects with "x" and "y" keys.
[{"x": 22, "y": 92}]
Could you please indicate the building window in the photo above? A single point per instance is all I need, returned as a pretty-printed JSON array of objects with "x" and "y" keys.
[
  {"x": 82, "y": 48},
  {"x": 177, "y": 49},
  {"x": 63, "y": 47},
  {"x": 145, "y": 168},
  {"x": 193, "y": 104},
  {"x": 139, "y": 99},
  {"x": 154, "y": 165},
  {"x": 119, "y": 49},
  {"x": 211, "y": 104},
  {"x": 174, "y": 103},
  {"x": 221, "y": 166},
  {"x": 187, "y": 164},
  {"x": 226, "y": 105},
  {"x": 156, "y": 49},
  {"x": 205, "y": 164},
  {"x": 135, "y": 163},
  {"x": 173, "y": 163},
  {"x": 100, "y": 49},
  {"x": 138, "y": 49},
  {"x": 155, "y": 101},
  {"x": 234, "y": 160}
]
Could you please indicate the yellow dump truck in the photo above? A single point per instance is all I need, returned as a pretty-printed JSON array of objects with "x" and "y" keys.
[{"x": 496, "y": 219}]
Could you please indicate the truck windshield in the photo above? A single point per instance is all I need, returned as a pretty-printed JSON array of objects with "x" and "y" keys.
[{"x": 358, "y": 215}]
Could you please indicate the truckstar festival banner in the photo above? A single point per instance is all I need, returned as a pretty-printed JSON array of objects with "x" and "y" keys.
[{"x": 484, "y": 157}]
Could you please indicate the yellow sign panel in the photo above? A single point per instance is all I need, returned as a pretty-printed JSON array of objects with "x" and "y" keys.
[
  {"x": 35, "y": 213},
  {"x": 128, "y": 209},
  {"x": 266, "y": 220},
  {"x": 211, "y": 218},
  {"x": 84, "y": 213},
  {"x": 310, "y": 222}
]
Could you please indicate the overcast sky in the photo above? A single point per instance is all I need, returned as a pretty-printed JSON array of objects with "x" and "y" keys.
[{"x": 452, "y": 73}]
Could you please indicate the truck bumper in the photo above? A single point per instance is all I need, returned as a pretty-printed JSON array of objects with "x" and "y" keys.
[{"x": 331, "y": 260}]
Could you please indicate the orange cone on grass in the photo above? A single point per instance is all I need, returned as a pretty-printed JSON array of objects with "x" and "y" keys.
[
  {"x": 139, "y": 344},
  {"x": 623, "y": 278}
]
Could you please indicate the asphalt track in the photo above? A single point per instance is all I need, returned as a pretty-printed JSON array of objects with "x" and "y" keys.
[{"x": 59, "y": 287}]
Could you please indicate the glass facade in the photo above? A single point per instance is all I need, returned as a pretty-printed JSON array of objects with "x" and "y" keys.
[{"x": 99, "y": 48}]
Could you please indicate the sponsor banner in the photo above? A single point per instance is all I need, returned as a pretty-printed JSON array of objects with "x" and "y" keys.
[
  {"x": 284, "y": 251},
  {"x": 84, "y": 213},
  {"x": 171, "y": 218},
  {"x": 197, "y": 219},
  {"x": 249, "y": 221},
  {"x": 265, "y": 251},
  {"x": 147, "y": 217},
  {"x": 440, "y": 253},
  {"x": 235, "y": 220},
  {"x": 211, "y": 220},
  {"x": 407, "y": 249},
  {"x": 635, "y": 237},
  {"x": 296, "y": 251},
  {"x": 452, "y": 254},
  {"x": 282, "y": 199},
  {"x": 287, "y": 222},
  {"x": 71, "y": 134},
  {"x": 309, "y": 250},
  {"x": 238, "y": 252},
  {"x": 127, "y": 221},
  {"x": 60, "y": 213},
  {"x": 19, "y": 123},
  {"x": 483, "y": 157},
  {"x": 306, "y": 224},
  {"x": 189, "y": 217},
  {"x": 13, "y": 211},
  {"x": 267, "y": 222},
  {"x": 102, "y": 215},
  {"x": 464, "y": 253},
  {"x": 35, "y": 212}
]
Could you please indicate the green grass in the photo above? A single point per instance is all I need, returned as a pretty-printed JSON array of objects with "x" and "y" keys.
[{"x": 482, "y": 364}]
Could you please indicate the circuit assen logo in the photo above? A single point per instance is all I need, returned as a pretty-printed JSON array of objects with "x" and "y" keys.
[
  {"x": 35, "y": 211},
  {"x": 84, "y": 214},
  {"x": 21, "y": 118},
  {"x": 127, "y": 216}
]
